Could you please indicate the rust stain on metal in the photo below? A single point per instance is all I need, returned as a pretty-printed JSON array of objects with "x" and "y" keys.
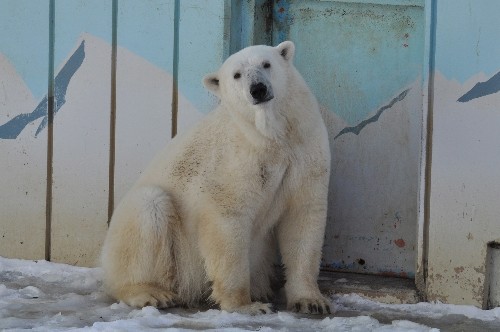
[{"x": 400, "y": 243}]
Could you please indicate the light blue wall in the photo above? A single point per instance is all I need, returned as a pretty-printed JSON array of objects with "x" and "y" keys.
[
  {"x": 72, "y": 18},
  {"x": 475, "y": 24},
  {"x": 202, "y": 47},
  {"x": 144, "y": 27},
  {"x": 24, "y": 38}
]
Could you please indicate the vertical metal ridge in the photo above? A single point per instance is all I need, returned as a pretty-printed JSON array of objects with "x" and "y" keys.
[
  {"x": 228, "y": 30},
  {"x": 429, "y": 133},
  {"x": 175, "y": 69},
  {"x": 232, "y": 27},
  {"x": 112, "y": 117},
  {"x": 50, "y": 133}
]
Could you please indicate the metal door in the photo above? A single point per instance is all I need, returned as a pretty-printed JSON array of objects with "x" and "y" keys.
[{"x": 364, "y": 62}]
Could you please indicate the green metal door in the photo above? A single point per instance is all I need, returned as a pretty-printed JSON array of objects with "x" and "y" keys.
[{"x": 364, "y": 62}]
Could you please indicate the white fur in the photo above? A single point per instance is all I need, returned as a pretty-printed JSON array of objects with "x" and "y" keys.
[{"x": 206, "y": 215}]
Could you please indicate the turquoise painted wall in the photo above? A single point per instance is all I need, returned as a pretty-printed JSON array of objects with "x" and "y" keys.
[{"x": 364, "y": 54}]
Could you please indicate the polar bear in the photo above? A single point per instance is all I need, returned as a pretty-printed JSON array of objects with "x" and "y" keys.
[{"x": 208, "y": 217}]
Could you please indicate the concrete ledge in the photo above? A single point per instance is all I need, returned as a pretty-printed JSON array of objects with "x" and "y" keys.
[{"x": 379, "y": 288}]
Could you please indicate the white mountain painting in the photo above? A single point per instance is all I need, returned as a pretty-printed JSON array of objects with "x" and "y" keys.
[
  {"x": 23, "y": 169},
  {"x": 81, "y": 143},
  {"x": 15, "y": 96},
  {"x": 375, "y": 170},
  {"x": 375, "y": 163},
  {"x": 374, "y": 188},
  {"x": 482, "y": 88},
  {"x": 464, "y": 186}
]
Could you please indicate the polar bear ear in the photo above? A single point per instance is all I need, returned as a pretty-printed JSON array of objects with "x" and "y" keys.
[
  {"x": 287, "y": 50},
  {"x": 211, "y": 82}
]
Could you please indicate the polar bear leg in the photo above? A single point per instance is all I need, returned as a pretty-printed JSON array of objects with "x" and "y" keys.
[
  {"x": 224, "y": 245},
  {"x": 263, "y": 255},
  {"x": 300, "y": 236},
  {"x": 138, "y": 258}
]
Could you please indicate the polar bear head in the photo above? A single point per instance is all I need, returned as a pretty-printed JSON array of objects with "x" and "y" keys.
[{"x": 253, "y": 83}]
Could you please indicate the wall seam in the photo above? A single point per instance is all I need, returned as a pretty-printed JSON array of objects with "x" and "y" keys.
[
  {"x": 175, "y": 70},
  {"x": 112, "y": 116},
  {"x": 429, "y": 134},
  {"x": 50, "y": 133}
]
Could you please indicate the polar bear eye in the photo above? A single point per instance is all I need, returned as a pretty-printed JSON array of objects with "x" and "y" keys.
[
  {"x": 267, "y": 65},
  {"x": 236, "y": 76}
]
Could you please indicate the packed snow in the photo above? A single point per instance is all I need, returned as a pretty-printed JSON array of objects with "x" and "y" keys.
[{"x": 45, "y": 296}]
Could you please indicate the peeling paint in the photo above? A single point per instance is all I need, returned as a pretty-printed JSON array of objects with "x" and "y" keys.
[
  {"x": 400, "y": 243},
  {"x": 282, "y": 19}
]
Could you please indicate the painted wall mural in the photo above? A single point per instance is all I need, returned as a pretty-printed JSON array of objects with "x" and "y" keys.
[
  {"x": 366, "y": 60},
  {"x": 482, "y": 89},
  {"x": 82, "y": 58},
  {"x": 357, "y": 129},
  {"x": 367, "y": 70},
  {"x": 13, "y": 128},
  {"x": 465, "y": 177},
  {"x": 385, "y": 94}
]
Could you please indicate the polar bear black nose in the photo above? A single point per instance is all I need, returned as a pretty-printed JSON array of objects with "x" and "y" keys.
[{"x": 258, "y": 91}]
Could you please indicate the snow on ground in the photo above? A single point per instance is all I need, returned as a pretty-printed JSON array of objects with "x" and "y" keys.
[{"x": 45, "y": 296}]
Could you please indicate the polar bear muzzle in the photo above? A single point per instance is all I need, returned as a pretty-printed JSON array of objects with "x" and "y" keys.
[{"x": 260, "y": 93}]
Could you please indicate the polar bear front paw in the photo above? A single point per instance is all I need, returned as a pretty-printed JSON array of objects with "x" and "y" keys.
[
  {"x": 143, "y": 296},
  {"x": 254, "y": 308},
  {"x": 160, "y": 300},
  {"x": 316, "y": 306}
]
